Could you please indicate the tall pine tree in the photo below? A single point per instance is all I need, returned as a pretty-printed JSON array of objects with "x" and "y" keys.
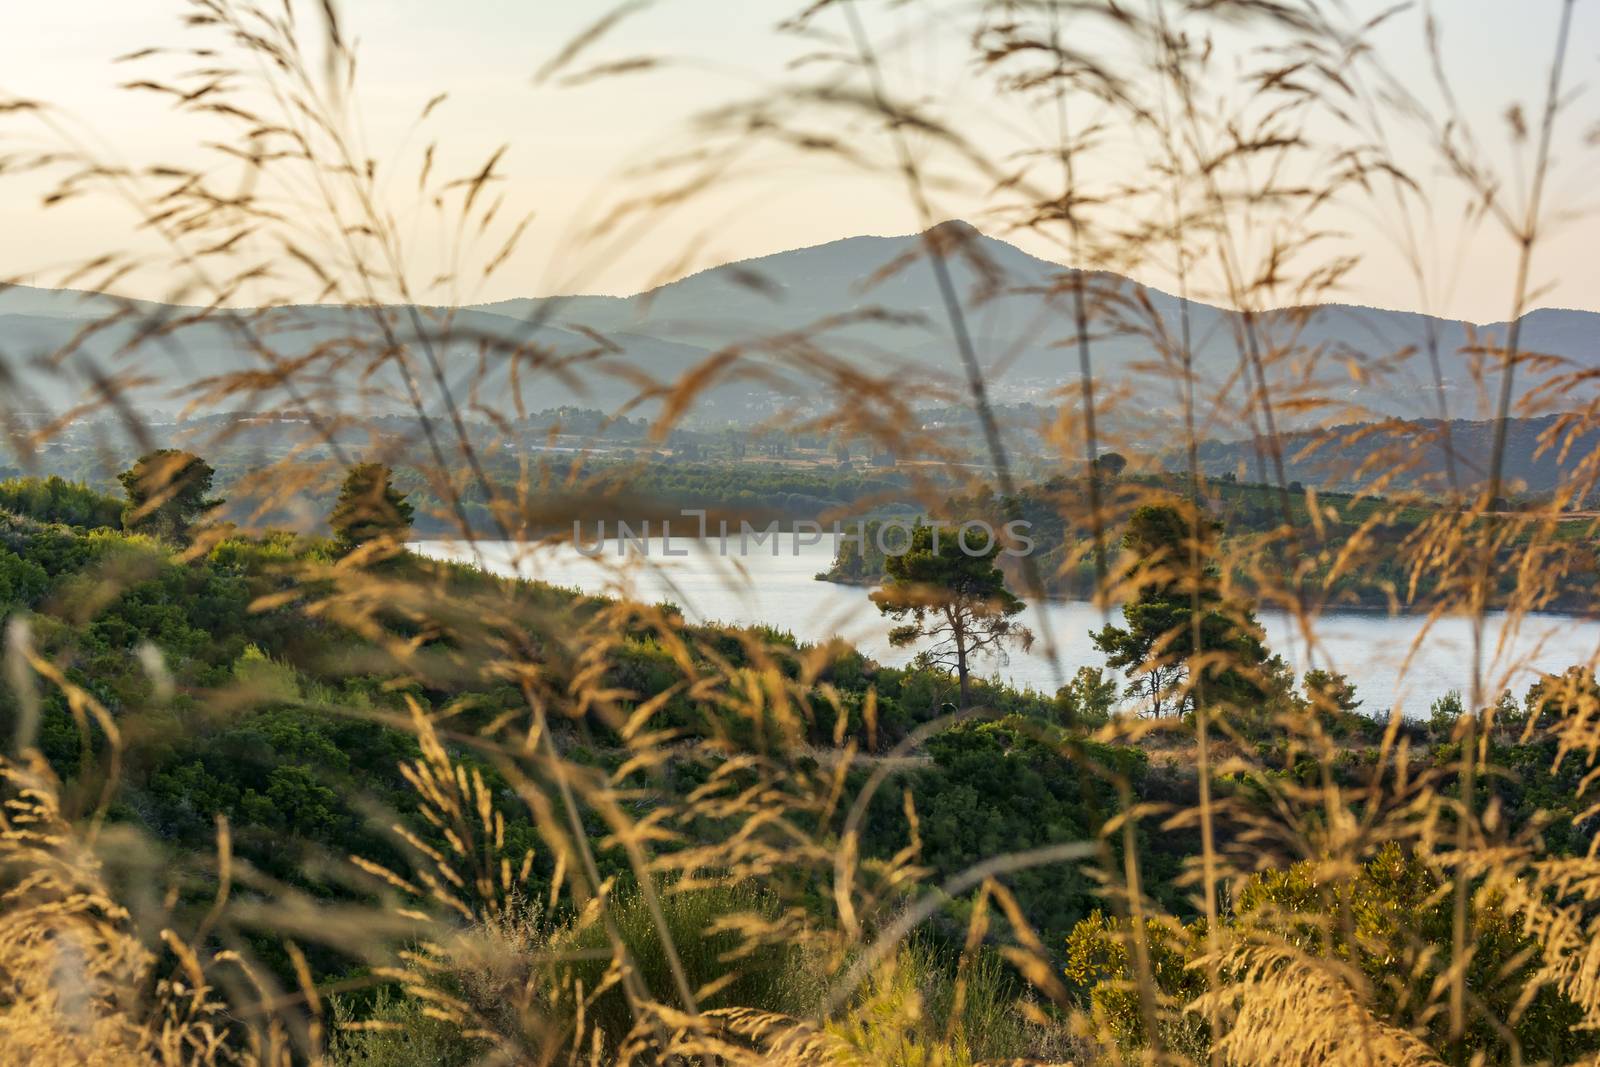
[
  {"x": 953, "y": 596},
  {"x": 1155, "y": 647},
  {"x": 370, "y": 510},
  {"x": 167, "y": 494}
]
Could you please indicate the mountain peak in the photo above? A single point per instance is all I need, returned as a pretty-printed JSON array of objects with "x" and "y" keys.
[{"x": 955, "y": 229}]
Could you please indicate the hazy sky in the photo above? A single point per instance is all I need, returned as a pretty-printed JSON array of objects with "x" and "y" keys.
[{"x": 571, "y": 146}]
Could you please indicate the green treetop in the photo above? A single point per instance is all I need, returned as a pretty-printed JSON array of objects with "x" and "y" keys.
[
  {"x": 167, "y": 494},
  {"x": 1111, "y": 463},
  {"x": 953, "y": 597},
  {"x": 370, "y": 509},
  {"x": 1156, "y": 645}
]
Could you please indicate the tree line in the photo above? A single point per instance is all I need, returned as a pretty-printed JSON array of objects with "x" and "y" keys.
[{"x": 168, "y": 496}]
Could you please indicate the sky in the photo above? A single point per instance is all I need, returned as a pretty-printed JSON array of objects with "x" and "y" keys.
[{"x": 571, "y": 148}]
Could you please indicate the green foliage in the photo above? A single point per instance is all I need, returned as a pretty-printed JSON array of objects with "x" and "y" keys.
[
  {"x": 1328, "y": 695},
  {"x": 1540, "y": 783},
  {"x": 1100, "y": 970},
  {"x": 911, "y": 1013},
  {"x": 370, "y": 509},
  {"x": 409, "y": 1036},
  {"x": 1087, "y": 700},
  {"x": 54, "y": 499},
  {"x": 1112, "y": 463},
  {"x": 754, "y": 488},
  {"x": 1329, "y": 691},
  {"x": 296, "y": 776},
  {"x": 768, "y": 974},
  {"x": 1158, "y": 639},
  {"x": 167, "y": 494},
  {"x": 1391, "y": 922},
  {"x": 1443, "y": 715},
  {"x": 999, "y": 787},
  {"x": 283, "y": 776},
  {"x": 950, "y": 592},
  {"x": 1393, "y": 904},
  {"x": 22, "y": 581}
]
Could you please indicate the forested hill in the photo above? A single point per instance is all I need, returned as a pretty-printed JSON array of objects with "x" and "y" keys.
[
  {"x": 1354, "y": 554},
  {"x": 1427, "y": 454}
]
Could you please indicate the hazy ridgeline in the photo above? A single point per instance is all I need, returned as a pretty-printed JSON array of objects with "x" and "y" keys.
[{"x": 525, "y": 827}]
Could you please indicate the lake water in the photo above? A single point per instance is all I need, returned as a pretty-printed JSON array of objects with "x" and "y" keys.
[{"x": 1381, "y": 654}]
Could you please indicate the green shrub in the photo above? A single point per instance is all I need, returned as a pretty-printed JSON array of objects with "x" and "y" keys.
[{"x": 768, "y": 975}]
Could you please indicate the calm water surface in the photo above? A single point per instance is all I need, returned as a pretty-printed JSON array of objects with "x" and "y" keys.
[{"x": 1382, "y": 655}]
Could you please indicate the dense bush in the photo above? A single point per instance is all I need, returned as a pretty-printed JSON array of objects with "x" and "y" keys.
[
  {"x": 55, "y": 499},
  {"x": 1389, "y": 921}
]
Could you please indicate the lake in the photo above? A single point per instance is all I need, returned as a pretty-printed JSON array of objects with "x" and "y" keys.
[{"x": 1380, "y": 653}]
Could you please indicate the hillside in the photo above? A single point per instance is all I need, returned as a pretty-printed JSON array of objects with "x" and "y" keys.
[
  {"x": 1540, "y": 455},
  {"x": 324, "y": 751}
]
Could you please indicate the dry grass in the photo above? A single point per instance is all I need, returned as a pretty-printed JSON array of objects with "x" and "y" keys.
[{"x": 612, "y": 954}]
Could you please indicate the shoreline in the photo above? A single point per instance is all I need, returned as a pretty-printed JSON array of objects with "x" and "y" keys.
[{"x": 1366, "y": 610}]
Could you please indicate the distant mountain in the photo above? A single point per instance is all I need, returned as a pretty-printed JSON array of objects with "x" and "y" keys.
[{"x": 870, "y": 303}]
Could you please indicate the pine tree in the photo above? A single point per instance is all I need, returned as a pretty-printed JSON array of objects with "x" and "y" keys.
[
  {"x": 167, "y": 494},
  {"x": 952, "y": 596},
  {"x": 370, "y": 509},
  {"x": 1156, "y": 645}
]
